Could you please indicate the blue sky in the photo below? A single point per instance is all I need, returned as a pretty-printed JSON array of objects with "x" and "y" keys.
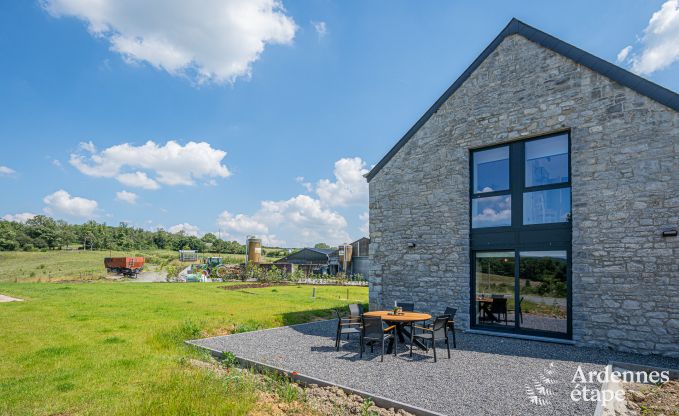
[{"x": 301, "y": 98}]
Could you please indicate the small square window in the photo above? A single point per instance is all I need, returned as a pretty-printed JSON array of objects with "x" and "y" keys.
[
  {"x": 544, "y": 207},
  {"x": 492, "y": 211},
  {"x": 547, "y": 161},
  {"x": 491, "y": 170}
]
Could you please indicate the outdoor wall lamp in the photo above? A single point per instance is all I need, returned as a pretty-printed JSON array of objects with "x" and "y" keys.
[
  {"x": 411, "y": 244},
  {"x": 669, "y": 232}
]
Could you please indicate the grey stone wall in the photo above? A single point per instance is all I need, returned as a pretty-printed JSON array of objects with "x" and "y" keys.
[{"x": 625, "y": 178}]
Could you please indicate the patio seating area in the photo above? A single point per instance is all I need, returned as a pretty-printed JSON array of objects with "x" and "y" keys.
[{"x": 484, "y": 374}]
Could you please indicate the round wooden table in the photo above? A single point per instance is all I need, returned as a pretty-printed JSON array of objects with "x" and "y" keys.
[
  {"x": 405, "y": 317},
  {"x": 400, "y": 321}
]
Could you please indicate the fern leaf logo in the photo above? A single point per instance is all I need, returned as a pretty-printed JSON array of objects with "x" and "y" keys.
[{"x": 539, "y": 392}]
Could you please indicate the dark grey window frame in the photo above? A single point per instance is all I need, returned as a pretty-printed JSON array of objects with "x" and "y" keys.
[{"x": 518, "y": 237}]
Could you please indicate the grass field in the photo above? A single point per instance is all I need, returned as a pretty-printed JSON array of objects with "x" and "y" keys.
[
  {"x": 76, "y": 265},
  {"x": 117, "y": 348}
]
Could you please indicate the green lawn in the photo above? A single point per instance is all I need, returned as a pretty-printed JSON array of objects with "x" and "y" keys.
[
  {"x": 76, "y": 265},
  {"x": 117, "y": 348}
]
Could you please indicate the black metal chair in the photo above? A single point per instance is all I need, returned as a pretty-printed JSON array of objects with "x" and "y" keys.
[
  {"x": 408, "y": 307},
  {"x": 498, "y": 308},
  {"x": 451, "y": 322},
  {"x": 438, "y": 331},
  {"x": 355, "y": 312},
  {"x": 345, "y": 326},
  {"x": 373, "y": 331}
]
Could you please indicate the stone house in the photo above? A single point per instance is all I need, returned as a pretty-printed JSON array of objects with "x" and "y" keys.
[{"x": 540, "y": 197}]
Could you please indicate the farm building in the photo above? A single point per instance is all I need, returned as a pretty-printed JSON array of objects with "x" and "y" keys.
[
  {"x": 538, "y": 196},
  {"x": 360, "y": 260},
  {"x": 356, "y": 256},
  {"x": 332, "y": 261},
  {"x": 314, "y": 259}
]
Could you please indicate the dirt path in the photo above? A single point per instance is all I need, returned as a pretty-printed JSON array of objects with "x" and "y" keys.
[
  {"x": 4, "y": 298},
  {"x": 147, "y": 276}
]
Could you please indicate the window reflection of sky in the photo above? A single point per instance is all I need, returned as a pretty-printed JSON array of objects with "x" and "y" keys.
[
  {"x": 494, "y": 211},
  {"x": 545, "y": 207},
  {"x": 491, "y": 170},
  {"x": 547, "y": 161}
]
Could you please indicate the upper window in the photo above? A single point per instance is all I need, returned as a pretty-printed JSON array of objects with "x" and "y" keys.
[
  {"x": 491, "y": 170},
  {"x": 533, "y": 188},
  {"x": 547, "y": 161}
]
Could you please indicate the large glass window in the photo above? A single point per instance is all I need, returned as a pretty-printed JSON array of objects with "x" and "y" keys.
[
  {"x": 543, "y": 207},
  {"x": 494, "y": 276},
  {"x": 520, "y": 237},
  {"x": 543, "y": 287},
  {"x": 547, "y": 161},
  {"x": 491, "y": 170}
]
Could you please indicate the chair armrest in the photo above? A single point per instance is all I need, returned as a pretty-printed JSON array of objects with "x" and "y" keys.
[
  {"x": 422, "y": 328},
  {"x": 350, "y": 324},
  {"x": 390, "y": 328}
]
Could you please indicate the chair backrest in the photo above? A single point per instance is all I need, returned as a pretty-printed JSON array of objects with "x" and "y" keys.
[
  {"x": 339, "y": 318},
  {"x": 372, "y": 327},
  {"x": 439, "y": 326},
  {"x": 450, "y": 311},
  {"x": 355, "y": 311},
  {"x": 499, "y": 305},
  {"x": 408, "y": 307}
]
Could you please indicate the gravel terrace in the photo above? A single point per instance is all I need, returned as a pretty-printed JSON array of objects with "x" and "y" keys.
[{"x": 486, "y": 375}]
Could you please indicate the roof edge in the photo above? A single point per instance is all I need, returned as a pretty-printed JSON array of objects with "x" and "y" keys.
[{"x": 615, "y": 73}]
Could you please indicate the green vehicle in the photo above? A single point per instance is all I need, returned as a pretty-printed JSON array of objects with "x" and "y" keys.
[{"x": 215, "y": 266}]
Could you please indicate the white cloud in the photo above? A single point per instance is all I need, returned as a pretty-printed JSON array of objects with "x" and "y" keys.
[
  {"x": 4, "y": 170},
  {"x": 57, "y": 163},
  {"x": 622, "y": 55},
  {"x": 349, "y": 188},
  {"x": 61, "y": 202},
  {"x": 137, "y": 180},
  {"x": 125, "y": 196},
  {"x": 241, "y": 224},
  {"x": 21, "y": 217},
  {"x": 659, "y": 43},
  {"x": 365, "y": 223},
  {"x": 208, "y": 41},
  {"x": 321, "y": 28},
  {"x": 171, "y": 164},
  {"x": 186, "y": 228},
  {"x": 302, "y": 219},
  {"x": 88, "y": 146},
  {"x": 307, "y": 185}
]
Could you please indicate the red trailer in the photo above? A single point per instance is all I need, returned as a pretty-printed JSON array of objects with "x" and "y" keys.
[{"x": 128, "y": 266}]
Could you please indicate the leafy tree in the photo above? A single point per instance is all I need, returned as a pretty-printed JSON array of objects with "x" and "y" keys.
[
  {"x": 321, "y": 245},
  {"x": 43, "y": 229}
]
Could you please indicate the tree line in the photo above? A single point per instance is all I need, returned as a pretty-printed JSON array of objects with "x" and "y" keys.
[{"x": 45, "y": 233}]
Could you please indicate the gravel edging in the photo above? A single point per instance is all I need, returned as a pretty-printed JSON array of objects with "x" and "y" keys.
[{"x": 306, "y": 380}]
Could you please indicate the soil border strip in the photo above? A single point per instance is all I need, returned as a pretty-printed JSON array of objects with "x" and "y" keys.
[{"x": 307, "y": 380}]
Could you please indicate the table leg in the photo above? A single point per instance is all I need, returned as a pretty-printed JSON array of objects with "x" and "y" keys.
[{"x": 416, "y": 341}]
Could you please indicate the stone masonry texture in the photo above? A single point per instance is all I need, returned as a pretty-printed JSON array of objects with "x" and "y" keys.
[{"x": 625, "y": 191}]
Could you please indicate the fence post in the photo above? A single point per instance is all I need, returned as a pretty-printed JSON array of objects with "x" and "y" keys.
[
  {"x": 313, "y": 293},
  {"x": 347, "y": 293}
]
